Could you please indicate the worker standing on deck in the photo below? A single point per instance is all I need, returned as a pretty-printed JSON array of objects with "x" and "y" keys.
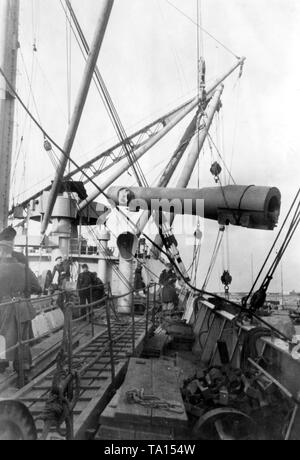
[
  {"x": 139, "y": 283},
  {"x": 97, "y": 288},
  {"x": 167, "y": 276},
  {"x": 16, "y": 280},
  {"x": 169, "y": 296},
  {"x": 84, "y": 284},
  {"x": 60, "y": 273}
]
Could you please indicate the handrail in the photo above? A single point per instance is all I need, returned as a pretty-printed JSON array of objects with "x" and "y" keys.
[
  {"x": 105, "y": 302},
  {"x": 70, "y": 291},
  {"x": 52, "y": 296}
]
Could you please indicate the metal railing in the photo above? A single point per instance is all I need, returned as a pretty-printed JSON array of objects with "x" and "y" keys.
[
  {"x": 104, "y": 307},
  {"x": 84, "y": 249}
]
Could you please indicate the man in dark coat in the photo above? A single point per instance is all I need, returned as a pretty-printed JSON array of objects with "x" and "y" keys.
[
  {"x": 98, "y": 288},
  {"x": 169, "y": 296},
  {"x": 139, "y": 283},
  {"x": 167, "y": 276},
  {"x": 13, "y": 285},
  {"x": 84, "y": 283}
]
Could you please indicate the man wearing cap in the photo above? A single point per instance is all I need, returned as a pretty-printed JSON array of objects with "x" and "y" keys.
[
  {"x": 61, "y": 271},
  {"x": 84, "y": 283},
  {"x": 15, "y": 282},
  {"x": 9, "y": 234}
]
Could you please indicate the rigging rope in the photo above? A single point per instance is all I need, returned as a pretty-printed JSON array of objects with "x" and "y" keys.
[
  {"x": 30, "y": 96},
  {"x": 227, "y": 248},
  {"x": 293, "y": 226},
  {"x": 205, "y": 31},
  {"x": 69, "y": 65},
  {"x": 215, "y": 253},
  {"x": 30, "y": 82},
  {"x": 180, "y": 69},
  {"x": 235, "y": 128},
  {"x": 35, "y": 23},
  {"x": 210, "y": 140},
  {"x": 195, "y": 262},
  {"x": 16, "y": 162}
]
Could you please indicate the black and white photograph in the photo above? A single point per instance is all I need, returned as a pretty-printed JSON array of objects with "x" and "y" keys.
[{"x": 149, "y": 222}]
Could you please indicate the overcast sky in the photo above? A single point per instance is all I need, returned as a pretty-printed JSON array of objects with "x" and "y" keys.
[{"x": 149, "y": 62}]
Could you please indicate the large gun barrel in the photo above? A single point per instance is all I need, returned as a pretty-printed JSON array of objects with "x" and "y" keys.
[{"x": 248, "y": 206}]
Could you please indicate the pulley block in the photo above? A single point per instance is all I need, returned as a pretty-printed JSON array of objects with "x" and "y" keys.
[
  {"x": 226, "y": 278},
  {"x": 216, "y": 170}
]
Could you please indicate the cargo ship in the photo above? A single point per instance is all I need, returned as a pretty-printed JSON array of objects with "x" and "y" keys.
[{"x": 133, "y": 364}]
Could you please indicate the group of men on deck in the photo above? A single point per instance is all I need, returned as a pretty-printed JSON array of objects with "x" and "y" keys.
[
  {"x": 90, "y": 287},
  {"x": 168, "y": 292},
  {"x": 17, "y": 284}
]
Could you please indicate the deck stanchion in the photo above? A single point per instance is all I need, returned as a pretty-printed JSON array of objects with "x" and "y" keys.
[
  {"x": 91, "y": 301},
  {"x": 110, "y": 339},
  {"x": 20, "y": 350},
  {"x": 154, "y": 306},
  {"x": 69, "y": 316},
  {"x": 133, "y": 328},
  {"x": 147, "y": 312},
  {"x": 92, "y": 321}
]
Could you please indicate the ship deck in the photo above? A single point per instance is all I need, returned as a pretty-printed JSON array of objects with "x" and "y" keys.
[
  {"x": 43, "y": 355},
  {"x": 96, "y": 383}
]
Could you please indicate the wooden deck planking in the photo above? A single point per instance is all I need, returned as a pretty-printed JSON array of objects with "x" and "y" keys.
[
  {"x": 96, "y": 380},
  {"x": 138, "y": 376}
]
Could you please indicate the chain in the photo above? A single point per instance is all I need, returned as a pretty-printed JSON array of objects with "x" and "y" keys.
[{"x": 138, "y": 396}]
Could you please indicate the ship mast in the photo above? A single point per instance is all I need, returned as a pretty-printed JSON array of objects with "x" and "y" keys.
[
  {"x": 9, "y": 18},
  {"x": 106, "y": 7}
]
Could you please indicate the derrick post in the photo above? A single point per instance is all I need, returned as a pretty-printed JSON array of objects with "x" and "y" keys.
[
  {"x": 9, "y": 17},
  {"x": 79, "y": 106}
]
